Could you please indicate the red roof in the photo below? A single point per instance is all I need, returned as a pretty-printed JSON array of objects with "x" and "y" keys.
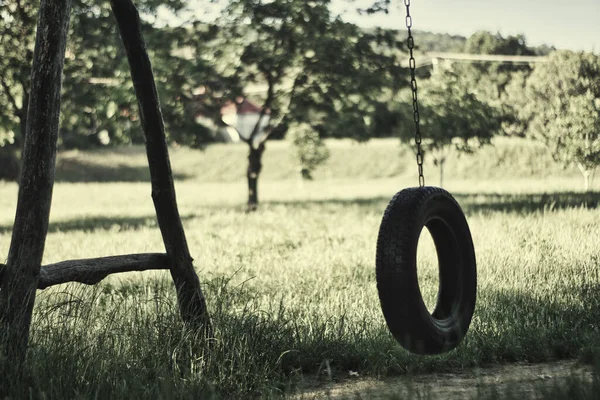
[{"x": 245, "y": 107}]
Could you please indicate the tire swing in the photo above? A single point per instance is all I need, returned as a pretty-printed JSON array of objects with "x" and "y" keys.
[{"x": 409, "y": 211}]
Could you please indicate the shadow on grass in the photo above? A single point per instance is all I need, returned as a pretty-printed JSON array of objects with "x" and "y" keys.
[
  {"x": 527, "y": 203},
  {"x": 470, "y": 203},
  {"x": 517, "y": 326},
  {"x": 285, "y": 348},
  {"x": 474, "y": 203},
  {"x": 74, "y": 170},
  {"x": 95, "y": 223}
]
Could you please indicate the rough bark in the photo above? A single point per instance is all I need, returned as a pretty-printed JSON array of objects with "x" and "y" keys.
[
  {"x": 20, "y": 276},
  {"x": 189, "y": 294},
  {"x": 257, "y": 147},
  {"x": 92, "y": 270},
  {"x": 252, "y": 174}
]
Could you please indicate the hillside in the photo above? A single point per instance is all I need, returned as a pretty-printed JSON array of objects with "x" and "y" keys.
[{"x": 510, "y": 158}]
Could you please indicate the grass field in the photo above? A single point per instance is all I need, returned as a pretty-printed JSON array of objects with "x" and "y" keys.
[{"x": 291, "y": 288}]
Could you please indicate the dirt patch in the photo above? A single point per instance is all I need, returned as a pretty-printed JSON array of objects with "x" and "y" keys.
[{"x": 470, "y": 383}]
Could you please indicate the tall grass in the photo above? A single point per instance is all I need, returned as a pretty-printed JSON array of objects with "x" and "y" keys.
[{"x": 291, "y": 288}]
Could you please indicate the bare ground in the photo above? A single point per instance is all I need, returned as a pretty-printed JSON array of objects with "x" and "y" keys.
[{"x": 466, "y": 384}]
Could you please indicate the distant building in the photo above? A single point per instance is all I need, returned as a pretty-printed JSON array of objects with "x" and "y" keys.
[
  {"x": 239, "y": 119},
  {"x": 242, "y": 117}
]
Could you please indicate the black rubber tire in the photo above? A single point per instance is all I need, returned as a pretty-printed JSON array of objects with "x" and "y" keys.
[{"x": 396, "y": 266}]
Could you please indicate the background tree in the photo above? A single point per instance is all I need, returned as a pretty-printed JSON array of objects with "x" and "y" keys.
[
  {"x": 309, "y": 148},
  {"x": 98, "y": 102},
  {"x": 99, "y": 99},
  {"x": 561, "y": 108},
  {"x": 450, "y": 116},
  {"x": 490, "y": 80},
  {"x": 17, "y": 37},
  {"x": 317, "y": 70},
  {"x": 191, "y": 79}
]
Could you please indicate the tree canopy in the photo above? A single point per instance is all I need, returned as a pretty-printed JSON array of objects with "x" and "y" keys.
[
  {"x": 319, "y": 74},
  {"x": 451, "y": 115},
  {"x": 98, "y": 103},
  {"x": 17, "y": 37},
  {"x": 561, "y": 108}
]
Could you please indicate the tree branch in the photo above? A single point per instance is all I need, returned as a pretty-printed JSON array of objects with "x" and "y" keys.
[
  {"x": 92, "y": 270},
  {"x": 17, "y": 294},
  {"x": 263, "y": 111},
  {"x": 243, "y": 139},
  {"x": 284, "y": 120}
]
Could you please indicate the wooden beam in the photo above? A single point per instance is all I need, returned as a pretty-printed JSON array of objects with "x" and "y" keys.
[
  {"x": 192, "y": 303},
  {"x": 92, "y": 270},
  {"x": 20, "y": 276}
]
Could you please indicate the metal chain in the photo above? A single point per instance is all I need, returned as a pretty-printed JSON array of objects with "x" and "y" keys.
[{"x": 413, "y": 85}]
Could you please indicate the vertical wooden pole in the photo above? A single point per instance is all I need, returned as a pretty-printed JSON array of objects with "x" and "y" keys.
[
  {"x": 189, "y": 294},
  {"x": 20, "y": 276}
]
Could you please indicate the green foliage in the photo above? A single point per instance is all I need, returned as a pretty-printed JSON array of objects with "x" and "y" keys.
[
  {"x": 309, "y": 148},
  {"x": 316, "y": 69},
  {"x": 17, "y": 36},
  {"x": 499, "y": 84},
  {"x": 437, "y": 42},
  {"x": 189, "y": 81},
  {"x": 450, "y": 115},
  {"x": 98, "y": 101},
  {"x": 483, "y": 42},
  {"x": 319, "y": 69},
  {"x": 561, "y": 108},
  {"x": 351, "y": 77}
]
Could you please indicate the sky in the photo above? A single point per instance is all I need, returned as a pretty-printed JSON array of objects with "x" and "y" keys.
[{"x": 573, "y": 24}]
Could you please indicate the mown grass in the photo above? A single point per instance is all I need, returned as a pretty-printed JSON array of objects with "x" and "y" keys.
[{"x": 291, "y": 288}]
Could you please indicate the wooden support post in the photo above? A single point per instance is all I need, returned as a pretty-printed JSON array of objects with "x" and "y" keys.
[
  {"x": 189, "y": 294},
  {"x": 21, "y": 274}
]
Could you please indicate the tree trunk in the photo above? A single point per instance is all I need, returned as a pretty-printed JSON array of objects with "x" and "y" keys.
[
  {"x": 253, "y": 172},
  {"x": 586, "y": 176},
  {"x": 20, "y": 276},
  {"x": 192, "y": 303}
]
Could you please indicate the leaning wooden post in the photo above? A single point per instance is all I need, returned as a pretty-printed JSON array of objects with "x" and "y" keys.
[
  {"x": 189, "y": 294},
  {"x": 21, "y": 273}
]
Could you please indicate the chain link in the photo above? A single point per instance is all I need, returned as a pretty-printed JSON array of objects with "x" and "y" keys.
[{"x": 412, "y": 64}]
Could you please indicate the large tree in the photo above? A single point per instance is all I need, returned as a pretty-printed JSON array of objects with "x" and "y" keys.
[
  {"x": 316, "y": 69},
  {"x": 561, "y": 107}
]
